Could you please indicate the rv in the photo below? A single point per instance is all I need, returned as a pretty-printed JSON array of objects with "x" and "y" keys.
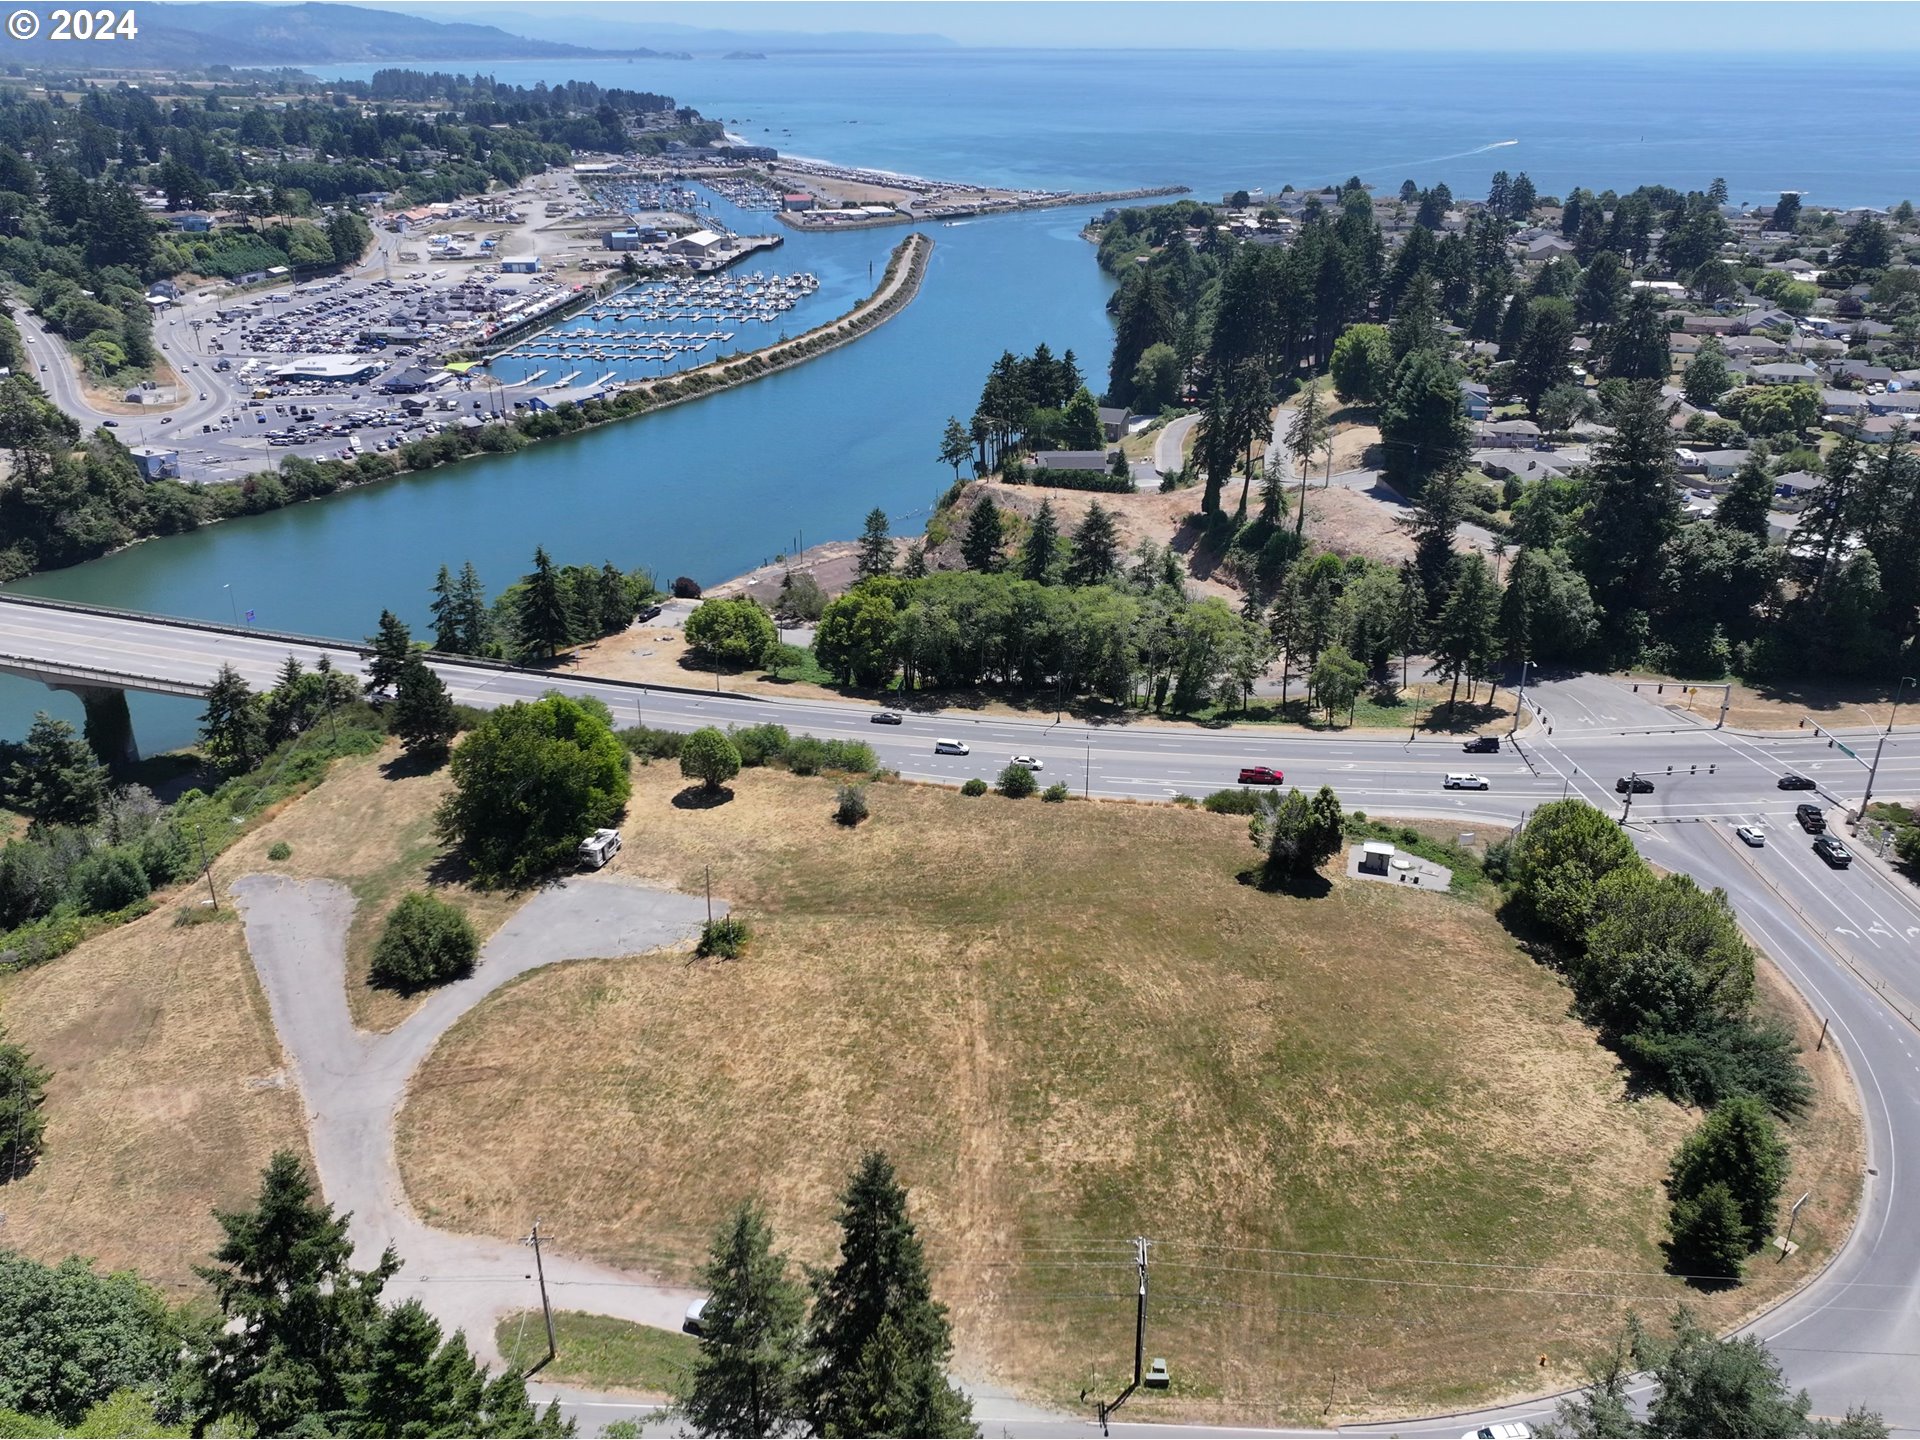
[{"x": 598, "y": 848}]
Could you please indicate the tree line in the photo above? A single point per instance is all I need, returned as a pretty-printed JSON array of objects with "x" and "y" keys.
[{"x": 288, "y": 1339}]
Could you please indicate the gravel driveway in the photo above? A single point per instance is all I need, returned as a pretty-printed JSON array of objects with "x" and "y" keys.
[{"x": 353, "y": 1083}]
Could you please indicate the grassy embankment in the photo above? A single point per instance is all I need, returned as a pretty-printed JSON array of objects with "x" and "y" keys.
[
  {"x": 1384, "y": 1168},
  {"x": 598, "y": 1352}
]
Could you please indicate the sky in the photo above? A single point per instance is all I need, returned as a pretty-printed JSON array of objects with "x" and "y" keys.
[{"x": 1710, "y": 26}]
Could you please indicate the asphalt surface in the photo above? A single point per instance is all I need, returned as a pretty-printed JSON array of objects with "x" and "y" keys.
[
  {"x": 353, "y": 1083},
  {"x": 1849, "y": 939}
]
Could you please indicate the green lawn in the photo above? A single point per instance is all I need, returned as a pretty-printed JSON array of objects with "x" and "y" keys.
[{"x": 594, "y": 1350}]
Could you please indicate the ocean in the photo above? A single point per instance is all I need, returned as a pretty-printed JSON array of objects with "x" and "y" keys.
[{"x": 712, "y": 488}]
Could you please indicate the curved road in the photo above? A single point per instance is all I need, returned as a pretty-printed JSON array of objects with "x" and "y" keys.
[{"x": 1849, "y": 940}]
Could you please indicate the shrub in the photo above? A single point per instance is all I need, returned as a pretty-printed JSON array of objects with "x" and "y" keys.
[
  {"x": 110, "y": 880},
  {"x": 760, "y": 744},
  {"x": 850, "y": 804},
  {"x": 1055, "y": 793},
  {"x": 22, "y": 1090},
  {"x": 975, "y": 786},
  {"x": 1232, "y": 802},
  {"x": 686, "y": 588},
  {"x": 731, "y": 632},
  {"x": 809, "y": 756},
  {"x": 426, "y": 943},
  {"x": 280, "y": 850},
  {"x": 165, "y": 855},
  {"x": 1017, "y": 782},
  {"x": 1906, "y": 844},
  {"x": 650, "y": 744},
  {"x": 724, "y": 938},
  {"x": 1708, "y": 1239}
]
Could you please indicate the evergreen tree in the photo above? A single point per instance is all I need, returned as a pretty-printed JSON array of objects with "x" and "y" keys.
[
  {"x": 298, "y": 1314},
  {"x": 1706, "y": 377},
  {"x": 876, "y": 546},
  {"x": 1041, "y": 547},
  {"x": 616, "y": 605},
  {"x": 474, "y": 624},
  {"x": 1636, "y": 346},
  {"x": 1738, "y": 1145},
  {"x": 1423, "y": 424},
  {"x": 1633, "y": 506},
  {"x": 880, "y": 1340},
  {"x": 390, "y": 648},
  {"x": 23, "y": 1089},
  {"x": 1748, "y": 501},
  {"x": 1436, "y": 516},
  {"x": 1466, "y": 636},
  {"x": 445, "y": 610},
  {"x": 747, "y": 1379},
  {"x": 1708, "y": 1241},
  {"x": 423, "y": 715},
  {"x": 980, "y": 547},
  {"x": 543, "y": 621},
  {"x": 956, "y": 445},
  {"x": 1543, "y": 358},
  {"x": 56, "y": 780},
  {"x": 233, "y": 729},
  {"x": 1096, "y": 547},
  {"x": 913, "y": 560}
]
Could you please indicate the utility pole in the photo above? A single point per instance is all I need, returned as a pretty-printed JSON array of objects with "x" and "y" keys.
[
  {"x": 1086, "y": 782},
  {"x": 709, "y": 895},
  {"x": 540, "y": 1269},
  {"x": 1106, "y": 1408},
  {"x": 200, "y": 839},
  {"x": 1519, "y": 699},
  {"x": 1786, "y": 1240}
]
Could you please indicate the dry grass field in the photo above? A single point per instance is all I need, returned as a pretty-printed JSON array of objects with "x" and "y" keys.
[
  {"x": 370, "y": 827},
  {"x": 168, "y": 1094},
  {"x": 1383, "y": 1168}
]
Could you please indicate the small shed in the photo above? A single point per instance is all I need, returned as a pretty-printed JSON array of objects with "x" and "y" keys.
[{"x": 1375, "y": 856}]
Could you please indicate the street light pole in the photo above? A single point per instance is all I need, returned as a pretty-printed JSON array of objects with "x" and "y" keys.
[
  {"x": 1901, "y": 689},
  {"x": 1633, "y": 784}
]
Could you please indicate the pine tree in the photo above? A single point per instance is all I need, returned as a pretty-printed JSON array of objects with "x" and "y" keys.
[
  {"x": 1708, "y": 1238},
  {"x": 543, "y": 621},
  {"x": 390, "y": 647},
  {"x": 233, "y": 729},
  {"x": 876, "y": 546},
  {"x": 57, "y": 780},
  {"x": 1096, "y": 547},
  {"x": 913, "y": 561},
  {"x": 1041, "y": 547},
  {"x": 472, "y": 622},
  {"x": 299, "y": 1315},
  {"x": 956, "y": 445},
  {"x": 423, "y": 715},
  {"x": 1466, "y": 636},
  {"x": 881, "y": 1342},
  {"x": 1747, "y": 503},
  {"x": 615, "y": 600},
  {"x": 747, "y": 1377},
  {"x": 980, "y": 547}
]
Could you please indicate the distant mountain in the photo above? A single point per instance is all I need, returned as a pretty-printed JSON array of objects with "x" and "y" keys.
[
  {"x": 594, "y": 22},
  {"x": 194, "y": 36}
]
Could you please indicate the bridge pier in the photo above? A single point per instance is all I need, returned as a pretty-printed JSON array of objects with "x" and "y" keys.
[{"x": 109, "y": 727}]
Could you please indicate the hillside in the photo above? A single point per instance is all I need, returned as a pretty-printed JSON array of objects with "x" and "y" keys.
[{"x": 197, "y": 36}]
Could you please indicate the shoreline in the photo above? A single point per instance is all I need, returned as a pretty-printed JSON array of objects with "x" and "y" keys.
[
  {"x": 899, "y": 284},
  {"x": 973, "y": 210}
]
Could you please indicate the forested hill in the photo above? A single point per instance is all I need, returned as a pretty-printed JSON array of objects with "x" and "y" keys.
[{"x": 190, "y": 37}]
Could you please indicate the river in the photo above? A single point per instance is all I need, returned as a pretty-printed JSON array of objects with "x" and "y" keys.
[{"x": 711, "y": 488}]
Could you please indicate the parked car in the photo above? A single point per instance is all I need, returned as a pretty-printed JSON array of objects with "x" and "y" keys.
[
  {"x": 1482, "y": 745},
  {"x": 1463, "y": 781},
  {"x": 1028, "y": 762},
  {"x": 648, "y": 612},
  {"x": 1751, "y": 834},
  {"x": 1832, "y": 851},
  {"x": 1260, "y": 775},
  {"x": 1638, "y": 784},
  {"x": 1812, "y": 819},
  {"x": 884, "y": 717},
  {"x": 695, "y": 1321},
  {"x": 1506, "y": 1430},
  {"x": 1795, "y": 782}
]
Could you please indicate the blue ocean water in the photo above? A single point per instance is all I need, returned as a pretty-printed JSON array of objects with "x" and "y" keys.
[{"x": 711, "y": 488}]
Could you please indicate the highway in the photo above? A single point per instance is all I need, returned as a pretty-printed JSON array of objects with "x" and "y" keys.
[{"x": 1849, "y": 940}]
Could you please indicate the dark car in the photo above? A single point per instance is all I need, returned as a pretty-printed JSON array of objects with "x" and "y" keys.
[
  {"x": 1833, "y": 852},
  {"x": 884, "y": 717},
  {"x": 1638, "y": 784},
  {"x": 1482, "y": 745},
  {"x": 1795, "y": 782},
  {"x": 1811, "y": 818},
  {"x": 111, "y": 424},
  {"x": 1260, "y": 775},
  {"x": 647, "y": 612}
]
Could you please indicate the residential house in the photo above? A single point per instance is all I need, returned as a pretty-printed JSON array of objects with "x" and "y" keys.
[
  {"x": 154, "y": 463},
  {"x": 1712, "y": 464},
  {"x": 1113, "y": 421},
  {"x": 1796, "y": 483},
  {"x": 1894, "y": 402},
  {"x": 1880, "y": 429},
  {"x": 1548, "y": 247},
  {"x": 191, "y": 222},
  {"x": 1861, "y": 372},
  {"x": 1507, "y": 434},
  {"x": 1095, "y": 460},
  {"x": 1791, "y": 372},
  {"x": 1847, "y": 404},
  {"x": 1712, "y": 325},
  {"x": 1477, "y": 400}
]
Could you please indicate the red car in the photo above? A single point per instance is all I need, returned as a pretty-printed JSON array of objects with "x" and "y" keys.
[{"x": 1260, "y": 775}]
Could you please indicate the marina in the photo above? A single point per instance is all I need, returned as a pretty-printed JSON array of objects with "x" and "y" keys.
[{"x": 660, "y": 322}]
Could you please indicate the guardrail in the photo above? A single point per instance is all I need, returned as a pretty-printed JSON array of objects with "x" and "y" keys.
[{"x": 108, "y": 679}]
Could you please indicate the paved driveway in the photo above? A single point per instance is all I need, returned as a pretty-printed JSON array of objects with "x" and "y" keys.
[{"x": 353, "y": 1083}]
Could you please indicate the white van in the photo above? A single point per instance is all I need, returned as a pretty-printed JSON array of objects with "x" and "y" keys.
[
  {"x": 950, "y": 747},
  {"x": 598, "y": 848}
]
